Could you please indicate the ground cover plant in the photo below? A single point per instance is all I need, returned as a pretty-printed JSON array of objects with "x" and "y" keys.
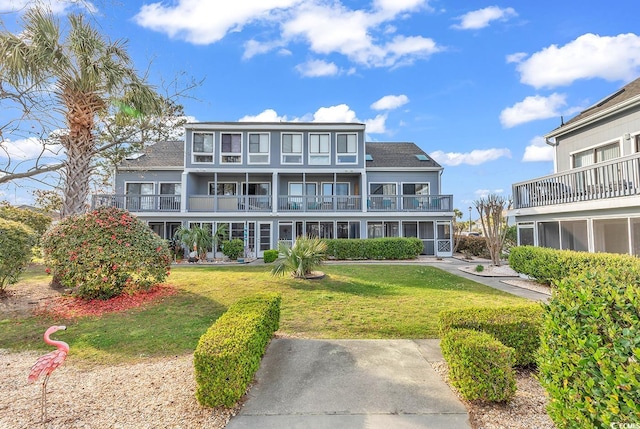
[{"x": 352, "y": 301}]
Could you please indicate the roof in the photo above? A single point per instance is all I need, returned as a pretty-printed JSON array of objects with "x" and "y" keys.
[
  {"x": 161, "y": 154},
  {"x": 618, "y": 98},
  {"x": 171, "y": 154},
  {"x": 397, "y": 155}
]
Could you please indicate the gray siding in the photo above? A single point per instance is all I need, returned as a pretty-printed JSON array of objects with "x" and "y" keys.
[
  {"x": 155, "y": 177},
  {"x": 405, "y": 177}
]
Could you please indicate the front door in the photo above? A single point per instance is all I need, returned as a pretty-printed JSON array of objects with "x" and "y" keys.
[
  {"x": 264, "y": 238},
  {"x": 443, "y": 239}
]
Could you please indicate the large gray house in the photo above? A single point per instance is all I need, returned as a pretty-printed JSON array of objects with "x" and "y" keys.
[
  {"x": 272, "y": 182},
  {"x": 592, "y": 201}
]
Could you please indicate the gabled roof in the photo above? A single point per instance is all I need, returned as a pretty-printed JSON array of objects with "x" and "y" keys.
[
  {"x": 402, "y": 155},
  {"x": 613, "y": 102},
  {"x": 158, "y": 155}
]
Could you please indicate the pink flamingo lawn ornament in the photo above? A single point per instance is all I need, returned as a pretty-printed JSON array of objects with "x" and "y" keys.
[{"x": 48, "y": 363}]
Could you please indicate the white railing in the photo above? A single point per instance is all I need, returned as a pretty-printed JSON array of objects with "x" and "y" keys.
[{"x": 610, "y": 179}]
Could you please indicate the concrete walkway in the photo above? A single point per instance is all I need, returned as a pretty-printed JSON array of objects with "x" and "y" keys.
[{"x": 373, "y": 384}]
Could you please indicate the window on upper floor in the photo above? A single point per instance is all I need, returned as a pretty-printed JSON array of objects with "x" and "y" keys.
[
  {"x": 256, "y": 188},
  {"x": 347, "y": 148},
  {"x": 415, "y": 189},
  {"x": 319, "y": 149},
  {"x": 382, "y": 189},
  {"x": 202, "y": 147},
  {"x": 596, "y": 155},
  {"x": 258, "y": 148},
  {"x": 291, "y": 148},
  {"x": 223, "y": 188},
  {"x": 231, "y": 148}
]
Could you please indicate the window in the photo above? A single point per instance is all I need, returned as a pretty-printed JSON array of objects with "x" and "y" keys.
[
  {"x": 319, "y": 149},
  {"x": 257, "y": 188},
  {"x": 202, "y": 147},
  {"x": 596, "y": 155},
  {"x": 171, "y": 202},
  {"x": 231, "y": 148},
  {"x": 223, "y": 188},
  {"x": 348, "y": 229},
  {"x": 141, "y": 198},
  {"x": 292, "y": 148},
  {"x": 259, "y": 148},
  {"x": 415, "y": 189},
  {"x": 347, "y": 146},
  {"x": 383, "y": 189}
]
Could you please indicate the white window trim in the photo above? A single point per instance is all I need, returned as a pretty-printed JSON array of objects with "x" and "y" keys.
[
  {"x": 326, "y": 155},
  {"x": 169, "y": 183},
  {"x": 127, "y": 183},
  {"x": 282, "y": 153},
  {"x": 268, "y": 153},
  {"x": 211, "y": 154},
  {"x": 415, "y": 183},
  {"x": 356, "y": 153},
  {"x": 596, "y": 146},
  {"x": 383, "y": 183},
  {"x": 223, "y": 154}
]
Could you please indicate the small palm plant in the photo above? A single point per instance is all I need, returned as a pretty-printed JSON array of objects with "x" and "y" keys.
[
  {"x": 301, "y": 259},
  {"x": 196, "y": 238}
]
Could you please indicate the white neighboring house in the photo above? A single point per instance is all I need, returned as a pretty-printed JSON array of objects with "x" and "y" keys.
[{"x": 592, "y": 201}]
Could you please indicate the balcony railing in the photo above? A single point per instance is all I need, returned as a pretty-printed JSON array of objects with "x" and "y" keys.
[
  {"x": 138, "y": 203},
  {"x": 286, "y": 203},
  {"x": 610, "y": 179}
]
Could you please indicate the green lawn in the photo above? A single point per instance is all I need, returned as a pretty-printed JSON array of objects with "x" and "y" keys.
[{"x": 352, "y": 301}]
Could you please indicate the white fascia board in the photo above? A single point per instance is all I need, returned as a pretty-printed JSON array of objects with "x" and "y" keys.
[
  {"x": 150, "y": 168},
  {"x": 604, "y": 204},
  {"x": 401, "y": 169},
  {"x": 275, "y": 126},
  {"x": 595, "y": 117}
]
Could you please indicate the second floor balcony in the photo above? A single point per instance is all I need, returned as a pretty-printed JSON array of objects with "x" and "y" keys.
[
  {"x": 284, "y": 203},
  {"x": 616, "y": 178}
]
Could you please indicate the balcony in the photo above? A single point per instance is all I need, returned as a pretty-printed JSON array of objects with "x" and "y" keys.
[
  {"x": 611, "y": 179},
  {"x": 286, "y": 203}
]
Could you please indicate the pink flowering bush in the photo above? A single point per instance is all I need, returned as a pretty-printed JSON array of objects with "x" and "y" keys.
[{"x": 105, "y": 253}]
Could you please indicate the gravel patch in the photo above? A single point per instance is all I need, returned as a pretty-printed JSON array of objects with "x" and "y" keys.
[
  {"x": 526, "y": 410},
  {"x": 158, "y": 393}
]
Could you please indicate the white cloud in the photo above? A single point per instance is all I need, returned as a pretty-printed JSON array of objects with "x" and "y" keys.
[
  {"x": 482, "y": 18},
  {"x": 483, "y": 193},
  {"x": 517, "y": 57},
  {"x": 339, "y": 113},
  {"x": 538, "y": 151},
  {"x": 589, "y": 56},
  {"x": 532, "y": 108},
  {"x": 268, "y": 115},
  {"x": 361, "y": 35},
  {"x": 390, "y": 102},
  {"x": 475, "y": 157},
  {"x": 376, "y": 125},
  {"x": 28, "y": 149},
  {"x": 57, "y": 7},
  {"x": 317, "y": 68}
]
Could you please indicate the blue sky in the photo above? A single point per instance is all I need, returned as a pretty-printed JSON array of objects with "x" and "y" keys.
[{"x": 474, "y": 84}]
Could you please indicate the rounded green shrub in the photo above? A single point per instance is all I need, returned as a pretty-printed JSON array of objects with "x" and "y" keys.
[
  {"x": 233, "y": 248},
  {"x": 589, "y": 359},
  {"x": 36, "y": 221},
  {"x": 270, "y": 256},
  {"x": 105, "y": 252},
  {"x": 16, "y": 241}
]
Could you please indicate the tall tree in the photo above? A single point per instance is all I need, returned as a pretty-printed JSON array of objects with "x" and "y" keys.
[
  {"x": 494, "y": 223},
  {"x": 86, "y": 75}
]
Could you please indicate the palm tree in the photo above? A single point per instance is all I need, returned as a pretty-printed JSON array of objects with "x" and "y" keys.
[
  {"x": 86, "y": 74},
  {"x": 301, "y": 259},
  {"x": 196, "y": 238}
]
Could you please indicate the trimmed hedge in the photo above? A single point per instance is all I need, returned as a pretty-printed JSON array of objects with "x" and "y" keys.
[
  {"x": 480, "y": 366},
  {"x": 589, "y": 360},
  {"x": 517, "y": 327},
  {"x": 549, "y": 265},
  {"x": 270, "y": 256},
  {"x": 374, "y": 248},
  {"x": 228, "y": 354}
]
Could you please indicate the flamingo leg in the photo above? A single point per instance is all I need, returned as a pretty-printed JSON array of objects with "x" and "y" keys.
[{"x": 43, "y": 403}]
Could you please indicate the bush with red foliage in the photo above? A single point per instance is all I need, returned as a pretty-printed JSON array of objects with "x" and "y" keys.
[{"x": 104, "y": 253}]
